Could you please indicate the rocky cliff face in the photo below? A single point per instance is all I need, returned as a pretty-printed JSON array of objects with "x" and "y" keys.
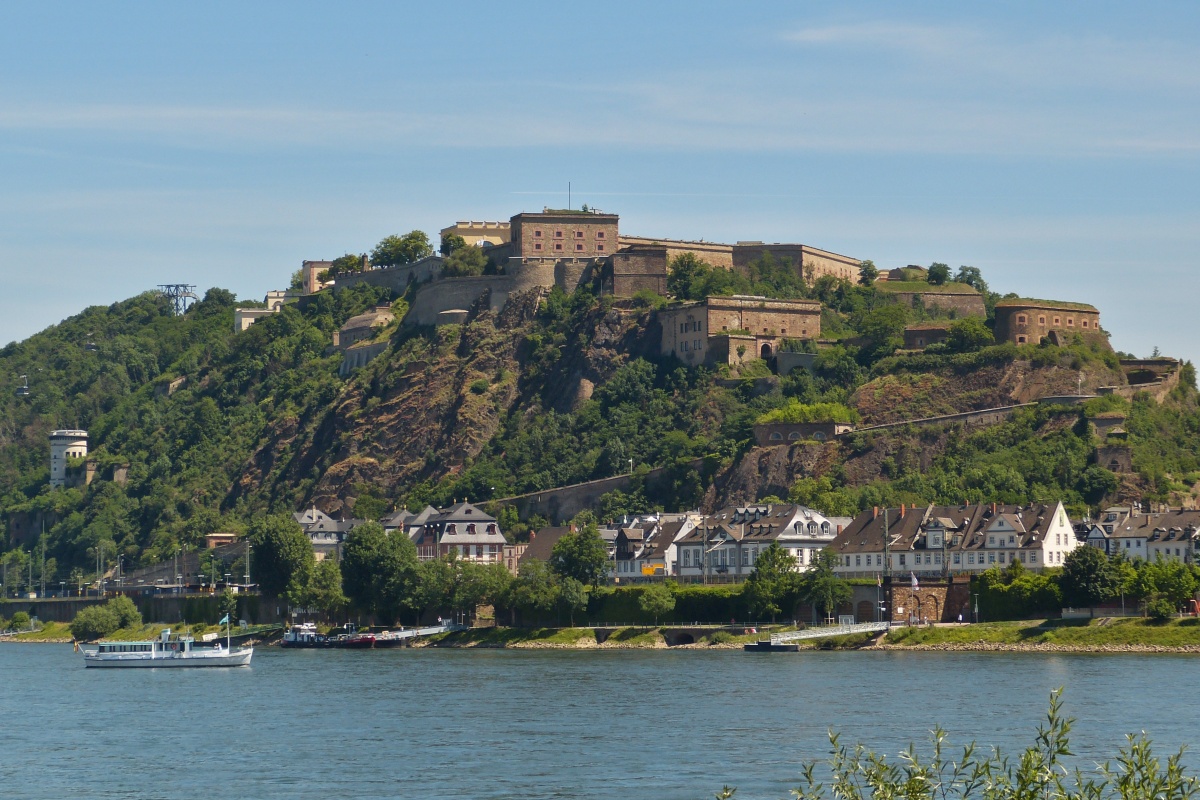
[
  {"x": 432, "y": 403},
  {"x": 894, "y": 398}
]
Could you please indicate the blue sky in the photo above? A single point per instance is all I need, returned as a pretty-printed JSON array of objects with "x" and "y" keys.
[{"x": 1054, "y": 146}]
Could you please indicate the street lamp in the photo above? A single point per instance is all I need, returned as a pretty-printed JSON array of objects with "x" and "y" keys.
[
  {"x": 62, "y": 589},
  {"x": 976, "y": 596}
]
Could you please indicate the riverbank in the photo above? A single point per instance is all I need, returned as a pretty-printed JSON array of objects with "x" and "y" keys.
[
  {"x": 1104, "y": 635},
  {"x": 1059, "y": 636}
]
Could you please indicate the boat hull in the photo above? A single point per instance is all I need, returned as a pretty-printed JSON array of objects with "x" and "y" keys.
[{"x": 236, "y": 658}]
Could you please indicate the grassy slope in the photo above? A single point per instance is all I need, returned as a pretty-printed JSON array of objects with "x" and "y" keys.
[{"x": 1085, "y": 634}]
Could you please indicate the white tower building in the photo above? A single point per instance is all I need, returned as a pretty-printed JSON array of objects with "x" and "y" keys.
[{"x": 63, "y": 445}]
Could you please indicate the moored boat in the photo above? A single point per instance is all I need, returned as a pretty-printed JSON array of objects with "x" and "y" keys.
[
  {"x": 165, "y": 651},
  {"x": 304, "y": 634}
]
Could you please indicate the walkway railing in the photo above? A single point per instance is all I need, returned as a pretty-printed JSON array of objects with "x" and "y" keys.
[{"x": 830, "y": 630}]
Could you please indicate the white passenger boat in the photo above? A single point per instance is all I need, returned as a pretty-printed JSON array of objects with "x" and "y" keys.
[{"x": 166, "y": 651}]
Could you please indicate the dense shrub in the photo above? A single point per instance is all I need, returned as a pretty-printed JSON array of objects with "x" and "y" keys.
[{"x": 94, "y": 622}]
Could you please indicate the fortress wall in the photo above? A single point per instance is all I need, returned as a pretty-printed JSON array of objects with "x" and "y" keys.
[
  {"x": 714, "y": 253},
  {"x": 965, "y": 305}
]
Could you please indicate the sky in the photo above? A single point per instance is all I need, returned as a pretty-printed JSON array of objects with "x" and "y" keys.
[{"x": 1056, "y": 147}]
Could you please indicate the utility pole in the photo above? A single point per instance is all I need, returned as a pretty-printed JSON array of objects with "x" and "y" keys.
[{"x": 247, "y": 565}]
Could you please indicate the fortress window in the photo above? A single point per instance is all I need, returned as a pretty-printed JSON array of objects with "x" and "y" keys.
[
  {"x": 1085, "y": 323},
  {"x": 1020, "y": 319},
  {"x": 1070, "y": 322},
  {"x": 578, "y": 234},
  {"x": 537, "y": 245},
  {"x": 1021, "y": 340},
  {"x": 599, "y": 234},
  {"x": 537, "y": 234},
  {"x": 1041, "y": 320},
  {"x": 558, "y": 234},
  {"x": 1058, "y": 320},
  {"x": 558, "y": 245},
  {"x": 579, "y": 247},
  {"x": 600, "y": 248}
]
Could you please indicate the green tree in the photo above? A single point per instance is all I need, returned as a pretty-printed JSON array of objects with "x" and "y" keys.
[
  {"x": 126, "y": 612},
  {"x": 822, "y": 588},
  {"x": 534, "y": 591},
  {"x": 883, "y": 327},
  {"x": 283, "y": 556},
  {"x": 939, "y": 273},
  {"x": 772, "y": 586},
  {"x": 969, "y": 334},
  {"x": 581, "y": 555},
  {"x": 972, "y": 277},
  {"x": 324, "y": 589},
  {"x": 657, "y": 599},
  {"x": 1088, "y": 577},
  {"x": 464, "y": 262},
  {"x": 20, "y": 622},
  {"x": 393, "y": 251},
  {"x": 867, "y": 273},
  {"x": 572, "y": 597},
  {"x": 344, "y": 264},
  {"x": 379, "y": 571},
  {"x": 228, "y": 603},
  {"x": 94, "y": 622},
  {"x": 451, "y": 242}
]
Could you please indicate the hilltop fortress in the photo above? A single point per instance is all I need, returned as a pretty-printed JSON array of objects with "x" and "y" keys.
[{"x": 569, "y": 249}]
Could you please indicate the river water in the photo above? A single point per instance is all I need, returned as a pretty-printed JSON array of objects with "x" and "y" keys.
[{"x": 427, "y": 723}]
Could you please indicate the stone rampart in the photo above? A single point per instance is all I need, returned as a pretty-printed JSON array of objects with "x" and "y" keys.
[
  {"x": 395, "y": 278},
  {"x": 565, "y": 502},
  {"x": 962, "y": 304},
  {"x": 714, "y": 253}
]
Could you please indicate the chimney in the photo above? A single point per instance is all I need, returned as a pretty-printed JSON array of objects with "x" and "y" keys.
[
  {"x": 993, "y": 509},
  {"x": 874, "y": 512},
  {"x": 902, "y": 511},
  {"x": 532, "y": 535}
]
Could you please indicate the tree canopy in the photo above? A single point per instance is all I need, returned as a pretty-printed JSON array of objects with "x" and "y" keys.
[{"x": 394, "y": 251}]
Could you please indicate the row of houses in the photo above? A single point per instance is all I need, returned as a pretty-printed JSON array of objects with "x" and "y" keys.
[{"x": 925, "y": 540}]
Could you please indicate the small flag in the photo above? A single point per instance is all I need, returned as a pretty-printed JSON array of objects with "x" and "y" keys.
[
  {"x": 225, "y": 619},
  {"x": 914, "y": 581}
]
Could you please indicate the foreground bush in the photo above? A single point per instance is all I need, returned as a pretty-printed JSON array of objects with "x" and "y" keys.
[{"x": 857, "y": 773}]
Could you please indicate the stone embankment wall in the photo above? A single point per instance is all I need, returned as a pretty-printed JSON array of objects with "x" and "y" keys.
[{"x": 165, "y": 608}]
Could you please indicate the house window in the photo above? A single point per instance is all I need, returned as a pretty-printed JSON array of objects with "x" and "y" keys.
[
  {"x": 957, "y": 558},
  {"x": 991, "y": 558},
  {"x": 858, "y": 561},
  {"x": 991, "y": 540},
  {"x": 937, "y": 558},
  {"x": 1022, "y": 556},
  {"x": 1020, "y": 319},
  {"x": 902, "y": 559},
  {"x": 687, "y": 558},
  {"x": 847, "y": 561},
  {"x": 1033, "y": 557},
  {"x": 1012, "y": 540},
  {"x": 1002, "y": 558}
]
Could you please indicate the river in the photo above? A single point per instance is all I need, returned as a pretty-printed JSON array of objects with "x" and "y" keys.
[{"x": 426, "y": 723}]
